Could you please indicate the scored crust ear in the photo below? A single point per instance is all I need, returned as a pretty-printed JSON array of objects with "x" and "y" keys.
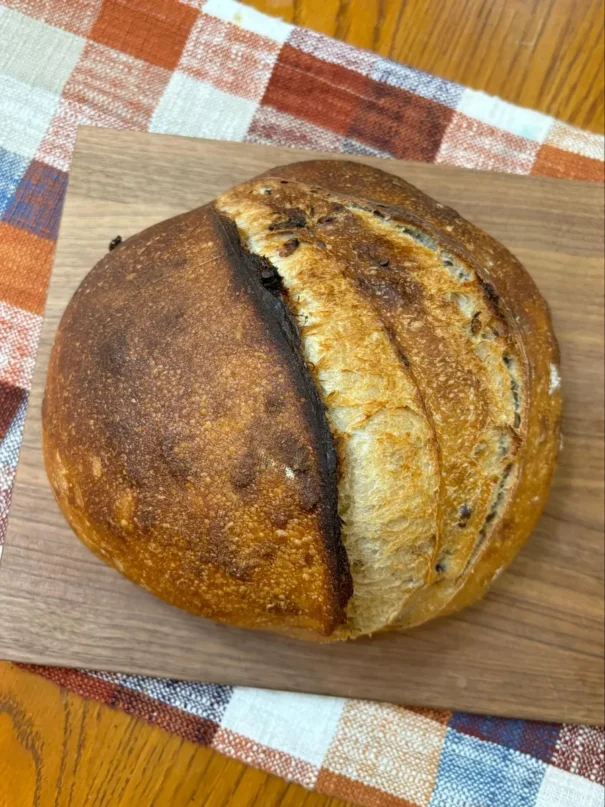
[
  {"x": 389, "y": 464},
  {"x": 479, "y": 341}
]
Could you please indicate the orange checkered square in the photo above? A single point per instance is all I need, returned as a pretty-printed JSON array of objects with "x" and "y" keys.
[
  {"x": 316, "y": 91},
  {"x": 152, "y": 30},
  {"x": 556, "y": 162},
  {"x": 33, "y": 256}
]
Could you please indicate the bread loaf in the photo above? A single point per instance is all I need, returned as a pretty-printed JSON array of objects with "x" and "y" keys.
[{"x": 323, "y": 404}]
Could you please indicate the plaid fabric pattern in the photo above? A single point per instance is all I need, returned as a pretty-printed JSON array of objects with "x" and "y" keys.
[{"x": 215, "y": 68}]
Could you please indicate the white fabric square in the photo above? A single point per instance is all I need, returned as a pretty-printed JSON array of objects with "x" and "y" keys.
[
  {"x": 563, "y": 789},
  {"x": 10, "y": 446},
  {"x": 13, "y": 166},
  {"x": 58, "y": 142},
  {"x": 332, "y": 50},
  {"x": 36, "y": 53},
  {"x": 19, "y": 332},
  {"x": 9, "y": 454},
  {"x": 270, "y": 718},
  {"x": 197, "y": 109},
  {"x": 25, "y": 113},
  {"x": 249, "y": 18},
  {"x": 494, "y": 111},
  {"x": 570, "y": 138},
  {"x": 389, "y": 748}
]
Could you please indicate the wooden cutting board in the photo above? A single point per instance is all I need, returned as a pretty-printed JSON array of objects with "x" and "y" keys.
[{"x": 533, "y": 648}]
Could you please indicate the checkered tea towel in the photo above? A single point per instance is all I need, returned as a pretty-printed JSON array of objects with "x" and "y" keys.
[{"x": 219, "y": 69}]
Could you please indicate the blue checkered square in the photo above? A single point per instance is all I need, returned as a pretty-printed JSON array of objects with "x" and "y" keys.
[
  {"x": 36, "y": 204},
  {"x": 208, "y": 701},
  {"x": 12, "y": 169},
  {"x": 528, "y": 736},
  {"x": 475, "y": 773},
  {"x": 417, "y": 82}
]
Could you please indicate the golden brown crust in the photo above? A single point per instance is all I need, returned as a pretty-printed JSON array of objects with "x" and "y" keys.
[{"x": 184, "y": 442}]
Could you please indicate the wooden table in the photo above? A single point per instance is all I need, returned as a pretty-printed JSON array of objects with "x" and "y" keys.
[{"x": 55, "y": 747}]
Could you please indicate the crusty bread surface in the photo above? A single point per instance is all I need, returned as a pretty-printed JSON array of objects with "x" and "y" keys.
[
  {"x": 324, "y": 405},
  {"x": 184, "y": 439}
]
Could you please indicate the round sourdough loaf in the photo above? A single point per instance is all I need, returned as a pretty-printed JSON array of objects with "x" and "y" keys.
[{"x": 323, "y": 404}]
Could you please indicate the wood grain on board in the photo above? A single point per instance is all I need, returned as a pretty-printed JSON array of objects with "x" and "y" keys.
[
  {"x": 533, "y": 648},
  {"x": 543, "y": 54}
]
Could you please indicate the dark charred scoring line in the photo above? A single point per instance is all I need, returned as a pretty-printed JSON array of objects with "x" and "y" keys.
[
  {"x": 439, "y": 244},
  {"x": 423, "y": 232},
  {"x": 262, "y": 281},
  {"x": 356, "y": 273}
]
